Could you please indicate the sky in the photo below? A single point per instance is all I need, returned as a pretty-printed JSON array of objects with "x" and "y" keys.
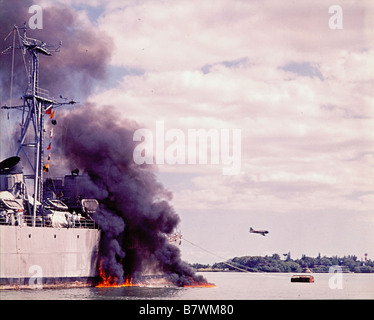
[{"x": 299, "y": 91}]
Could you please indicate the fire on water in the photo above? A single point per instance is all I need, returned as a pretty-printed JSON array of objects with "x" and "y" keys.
[
  {"x": 107, "y": 282},
  {"x": 200, "y": 285},
  {"x": 112, "y": 282}
]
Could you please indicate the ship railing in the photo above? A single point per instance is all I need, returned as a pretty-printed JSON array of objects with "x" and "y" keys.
[
  {"x": 41, "y": 221},
  {"x": 39, "y": 92}
]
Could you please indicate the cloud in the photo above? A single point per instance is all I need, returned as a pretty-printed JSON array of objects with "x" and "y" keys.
[
  {"x": 296, "y": 89},
  {"x": 303, "y": 69},
  {"x": 300, "y": 92},
  {"x": 167, "y": 35}
]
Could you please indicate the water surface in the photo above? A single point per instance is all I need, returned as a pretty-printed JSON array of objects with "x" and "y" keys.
[{"x": 229, "y": 286}]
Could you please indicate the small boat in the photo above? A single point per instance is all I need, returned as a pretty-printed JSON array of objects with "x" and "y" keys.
[{"x": 304, "y": 278}]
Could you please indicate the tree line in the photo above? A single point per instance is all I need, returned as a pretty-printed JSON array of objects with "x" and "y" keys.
[{"x": 274, "y": 263}]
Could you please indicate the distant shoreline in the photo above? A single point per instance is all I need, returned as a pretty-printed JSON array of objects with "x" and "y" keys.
[
  {"x": 253, "y": 264},
  {"x": 238, "y": 271}
]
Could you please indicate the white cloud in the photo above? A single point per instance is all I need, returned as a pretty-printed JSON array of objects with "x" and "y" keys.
[
  {"x": 170, "y": 35},
  {"x": 307, "y": 138}
]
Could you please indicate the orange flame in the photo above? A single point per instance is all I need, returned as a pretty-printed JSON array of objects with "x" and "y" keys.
[
  {"x": 112, "y": 281},
  {"x": 196, "y": 284}
]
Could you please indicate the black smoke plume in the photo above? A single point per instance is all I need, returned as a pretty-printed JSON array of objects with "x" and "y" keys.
[
  {"x": 135, "y": 214},
  {"x": 71, "y": 72}
]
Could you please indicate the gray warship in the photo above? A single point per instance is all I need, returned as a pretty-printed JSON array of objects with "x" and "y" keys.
[
  {"x": 48, "y": 237},
  {"x": 47, "y": 234}
]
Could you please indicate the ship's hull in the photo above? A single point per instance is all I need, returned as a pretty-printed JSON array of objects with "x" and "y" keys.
[{"x": 32, "y": 257}]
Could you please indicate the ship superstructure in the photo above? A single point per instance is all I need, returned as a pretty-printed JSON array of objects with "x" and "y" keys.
[{"x": 43, "y": 239}]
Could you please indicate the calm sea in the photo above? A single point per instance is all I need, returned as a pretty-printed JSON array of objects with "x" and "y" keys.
[{"x": 229, "y": 286}]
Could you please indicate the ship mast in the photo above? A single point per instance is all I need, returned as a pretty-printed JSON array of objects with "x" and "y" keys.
[{"x": 35, "y": 103}]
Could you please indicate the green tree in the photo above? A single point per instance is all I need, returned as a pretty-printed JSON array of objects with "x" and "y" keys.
[{"x": 275, "y": 256}]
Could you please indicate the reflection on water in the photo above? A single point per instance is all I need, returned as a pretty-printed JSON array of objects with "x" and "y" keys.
[
  {"x": 229, "y": 286},
  {"x": 135, "y": 293}
]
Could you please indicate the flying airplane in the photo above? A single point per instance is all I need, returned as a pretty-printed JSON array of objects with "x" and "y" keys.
[{"x": 263, "y": 232}]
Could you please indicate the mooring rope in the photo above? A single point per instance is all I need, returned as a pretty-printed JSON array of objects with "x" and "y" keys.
[{"x": 212, "y": 253}]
